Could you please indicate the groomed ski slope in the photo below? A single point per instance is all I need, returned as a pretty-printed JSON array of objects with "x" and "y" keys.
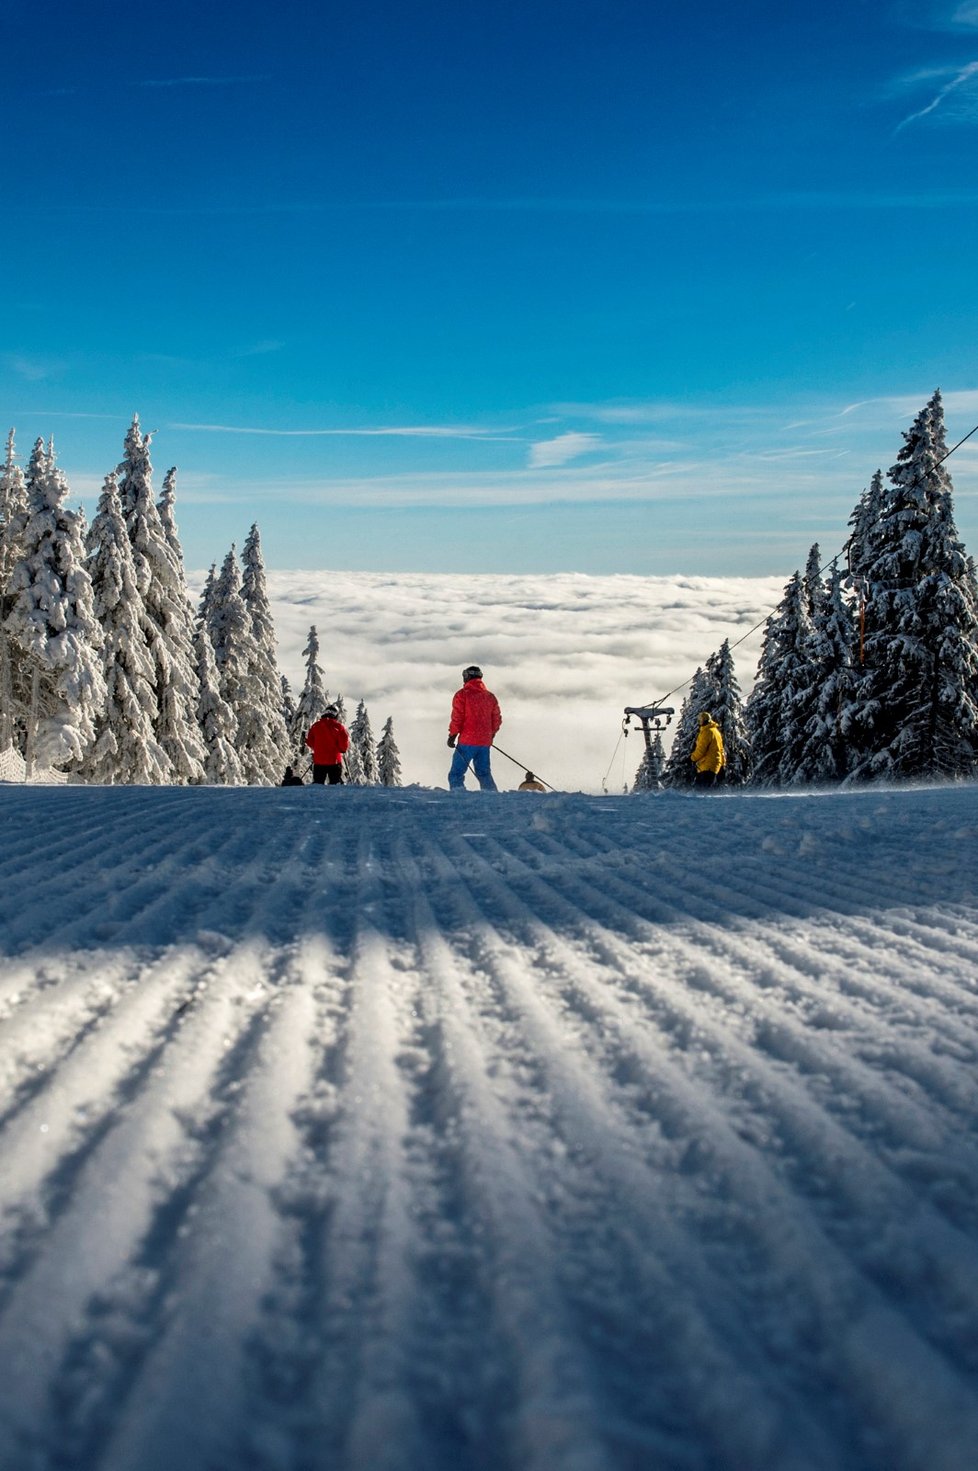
[{"x": 394, "y": 1130}]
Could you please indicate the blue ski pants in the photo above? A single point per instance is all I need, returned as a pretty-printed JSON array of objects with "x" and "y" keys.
[{"x": 478, "y": 758}]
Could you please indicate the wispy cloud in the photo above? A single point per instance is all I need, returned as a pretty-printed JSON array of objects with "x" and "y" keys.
[
  {"x": 961, "y": 84},
  {"x": 34, "y": 370},
  {"x": 195, "y": 81},
  {"x": 905, "y": 406},
  {"x": 966, "y": 15},
  {"x": 381, "y": 431},
  {"x": 259, "y": 349},
  {"x": 626, "y": 412},
  {"x": 564, "y": 448},
  {"x": 45, "y": 414}
]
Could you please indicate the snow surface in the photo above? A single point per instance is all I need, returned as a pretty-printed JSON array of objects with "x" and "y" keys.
[{"x": 395, "y": 1130}]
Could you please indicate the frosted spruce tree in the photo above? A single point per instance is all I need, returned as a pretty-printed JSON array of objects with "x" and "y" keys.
[
  {"x": 808, "y": 674},
  {"x": 362, "y": 741},
  {"x": 13, "y": 504},
  {"x": 268, "y": 744},
  {"x": 179, "y": 726},
  {"x": 313, "y": 698},
  {"x": 288, "y": 708},
  {"x": 774, "y": 722},
  {"x": 862, "y": 549},
  {"x": 388, "y": 757},
  {"x": 215, "y": 718},
  {"x": 651, "y": 768},
  {"x": 125, "y": 751},
  {"x": 827, "y": 745},
  {"x": 814, "y": 584},
  {"x": 353, "y": 772},
  {"x": 679, "y": 770},
  {"x": 166, "y": 506},
  {"x": 55, "y": 636},
  {"x": 916, "y": 700},
  {"x": 864, "y": 529},
  {"x": 237, "y": 658},
  {"x": 206, "y": 606},
  {"x": 728, "y": 712},
  {"x": 168, "y": 617}
]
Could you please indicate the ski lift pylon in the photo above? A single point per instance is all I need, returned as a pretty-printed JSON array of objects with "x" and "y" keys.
[{"x": 652, "y": 717}]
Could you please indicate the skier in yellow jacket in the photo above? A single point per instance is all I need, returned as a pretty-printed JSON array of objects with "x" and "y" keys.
[{"x": 708, "y": 754}]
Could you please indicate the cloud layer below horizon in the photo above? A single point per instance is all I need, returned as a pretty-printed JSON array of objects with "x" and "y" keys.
[{"x": 564, "y": 653}]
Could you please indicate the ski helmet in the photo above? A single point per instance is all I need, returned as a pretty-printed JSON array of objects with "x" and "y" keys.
[
  {"x": 473, "y": 672},
  {"x": 330, "y": 713}
]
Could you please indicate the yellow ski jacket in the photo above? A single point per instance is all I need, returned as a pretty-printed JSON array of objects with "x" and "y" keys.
[{"x": 708, "y": 753}]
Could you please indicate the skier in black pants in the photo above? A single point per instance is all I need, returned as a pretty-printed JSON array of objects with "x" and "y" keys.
[{"x": 327, "y": 740}]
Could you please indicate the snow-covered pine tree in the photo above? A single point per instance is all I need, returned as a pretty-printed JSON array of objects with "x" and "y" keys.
[
  {"x": 917, "y": 701},
  {"x": 166, "y": 506},
  {"x": 205, "y": 608},
  {"x": 801, "y": 711},
  {"x": 362, "y": 737},
  {"x": 237, "y": 657},
  {"x": 125, "y": 751},
  {"x": 55, "y": 636},
  {"x": 313, "y": 698},
  {"x": 862, "y": 548},
  {"x": 179, "y": 728},
  {"x": 135, "y": 482},
  {"x": 270, "y": 747},
  {"x": 340, "y": 704},
  {"x": 784, "y": 672},
  {"x": 864, "y": 524},
  {"x": 679, "y": 770},
  {"x": 648, "y": 778},
  {"x": 169, "y": 625},
  {"x": 728, "y": 712},
  {"x": 215, "y": 718},
  {"x": 288, "y": 708},
  {"x": 353, "y": 770},
  {"x": 13, "y": 503},
  {"x": 827, "y": 747},
  {"x": 815, "y": 590},
  {"x": 388, "y": 757}
]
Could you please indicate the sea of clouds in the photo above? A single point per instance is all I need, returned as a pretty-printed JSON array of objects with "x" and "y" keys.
[{"x": 564, "y": 653}]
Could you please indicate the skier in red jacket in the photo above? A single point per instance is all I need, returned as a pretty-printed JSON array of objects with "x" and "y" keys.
[
  {"x": 475, "y": 720},
  {"x": 327, "y": 740}
]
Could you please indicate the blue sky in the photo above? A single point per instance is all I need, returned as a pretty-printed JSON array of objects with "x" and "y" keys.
[{"x": 609, "y": 287}]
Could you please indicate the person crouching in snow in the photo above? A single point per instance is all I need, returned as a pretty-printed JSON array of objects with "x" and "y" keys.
[
  {"x": 327, "y": 740},
  {"x": 708, "y": 754},
  {"x": 531, "y": 783},
  {"x": 475, "y": 720}
]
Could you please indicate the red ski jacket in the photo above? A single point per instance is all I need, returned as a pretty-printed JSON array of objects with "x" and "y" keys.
[
  {"x": 475, "y": 715},
  {"x": 327, "y": 740}
]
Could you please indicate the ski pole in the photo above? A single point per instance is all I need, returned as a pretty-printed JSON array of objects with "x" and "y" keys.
[{"x": 523, "y": 764}]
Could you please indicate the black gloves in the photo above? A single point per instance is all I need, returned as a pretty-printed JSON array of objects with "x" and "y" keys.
[{"x": 452, "y": 739}]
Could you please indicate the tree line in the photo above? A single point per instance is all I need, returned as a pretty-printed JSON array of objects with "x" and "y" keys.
[
  {"x": 109, "y": 673},
  {"x": 868, "y": 668}
]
